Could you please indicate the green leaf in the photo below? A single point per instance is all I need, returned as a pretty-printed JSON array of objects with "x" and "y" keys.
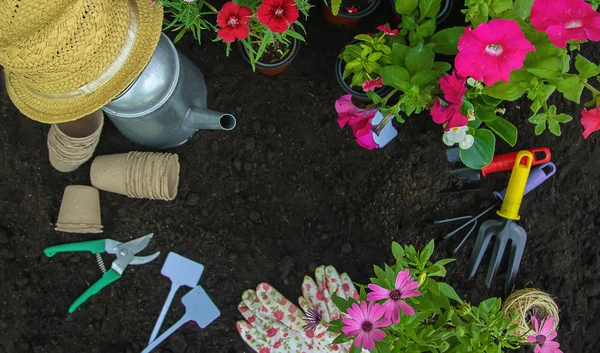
[
  {"x": 427, "y": 251},
  {"x": 399, "y": 52},
  {"x": 364, "y": 38},
  {"x": 491, "y": 101},
  {"x": 446, "y": 40},
  {"x": 571, "y": 88},
  {"x": 548, "y": 68},
  {"x": 504, "y": 129},
  {"x": 378, "y": 271},
  {"x": 428, "y": 8},
  {"x": 511, "y": 90},
  {"x": 485, "y": 113},
  {"x": 374, "y": 56},
  {"x": 406, "y": 7},
  {"x": 397, "y": 251},
  {"x": 499, "y": 6},
  {"x": 441, "y": 67},
  {"x": 396, "y": 76},
  {"x": 563, "y": 118},
  {"x": 341, "y": 303},
  {"x": 448, "y": 291},
  {"x": 340, "y": 339},
  {"x": 419, "y": 58},
  {"x": 358, "y": 79},
  {"x": 427, "y": 28},
  {"x": 335, "y": 6},
  {"x": 585, "y": 67},
  {"x": 424, "y": 78},
  {"x": 482, "y": 151}
]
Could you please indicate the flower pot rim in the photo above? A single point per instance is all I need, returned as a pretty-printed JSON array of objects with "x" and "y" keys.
[
  {"x": 286, "y": 61},
  {"x": 339, "y": 71},
  {"x": 360, "y": 14}
]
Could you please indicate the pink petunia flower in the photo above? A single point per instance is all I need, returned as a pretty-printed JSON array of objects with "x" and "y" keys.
[
  {"x": 450, "y": 114},
  {"x": 364, "y": 322},
  {"x": 565, "y": 20},
  {"x": 491, "y": 51},
  {"x": 405, "y": 288},
  {"x": 371, "y": 85},
  {"x": 454, "y": 88},
  {"x": 590, "y": 119},
  {"x": 358, "y": 119},
  {"x": 387, "y": 30},
  {"x": 544, "y": 336}
]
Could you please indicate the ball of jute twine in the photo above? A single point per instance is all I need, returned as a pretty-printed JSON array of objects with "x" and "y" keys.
[{"x": 526, "y": 303}]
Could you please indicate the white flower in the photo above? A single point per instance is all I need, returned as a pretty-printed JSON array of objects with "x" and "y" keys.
[
  {"x": 458, "y": 135},
  {"x": 467, "y": 142}
]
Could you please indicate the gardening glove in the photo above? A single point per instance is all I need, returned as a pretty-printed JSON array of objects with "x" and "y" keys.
[
  {"x": 317, "y": 295},
  {"x": 318, "y": 292},
  {"x": 274, "y": 325}
]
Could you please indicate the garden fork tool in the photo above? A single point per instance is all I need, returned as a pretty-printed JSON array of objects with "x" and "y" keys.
[
  {"x": 505, "y": 230},
  {"x": 537, "y": 176},
  {"x": 125, "y": 253}
]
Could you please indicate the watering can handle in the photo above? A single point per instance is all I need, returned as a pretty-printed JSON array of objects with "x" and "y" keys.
[{"x": 516, "y": 186}]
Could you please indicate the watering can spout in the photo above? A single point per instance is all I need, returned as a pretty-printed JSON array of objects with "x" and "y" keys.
[{"x": 205, "y": 119}]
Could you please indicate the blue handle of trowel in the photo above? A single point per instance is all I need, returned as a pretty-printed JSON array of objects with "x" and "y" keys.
[{"x": 537, "y": 176}]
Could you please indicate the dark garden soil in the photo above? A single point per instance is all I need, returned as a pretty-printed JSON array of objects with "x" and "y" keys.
[{"x": 283, "y": 192}]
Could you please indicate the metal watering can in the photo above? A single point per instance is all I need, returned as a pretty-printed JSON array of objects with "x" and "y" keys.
[{"x": 166, "y": 104}]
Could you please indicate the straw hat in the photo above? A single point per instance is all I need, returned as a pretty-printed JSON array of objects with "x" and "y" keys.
[{"x": 64, "y": 59}]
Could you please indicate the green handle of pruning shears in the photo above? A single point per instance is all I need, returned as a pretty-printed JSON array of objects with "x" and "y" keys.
[
  {"x": 93, "y": 246},
  {"x": 109, "y": 277}
]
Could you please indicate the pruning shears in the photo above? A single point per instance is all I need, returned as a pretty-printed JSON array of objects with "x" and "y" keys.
[{"x": 125, "y": 253}]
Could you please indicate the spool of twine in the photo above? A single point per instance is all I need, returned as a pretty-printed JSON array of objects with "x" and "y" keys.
[{"x": 526, "y": 303}]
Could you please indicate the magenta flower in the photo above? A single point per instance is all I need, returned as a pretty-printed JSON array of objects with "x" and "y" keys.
[
  {"x": 387, "y": 30},
  {"x": 565, "y": 20},
  {"x": 590, "y": 119},
  {"x": 365, "y": 322},
  {"x": 358, "y": 119},
  {"x": 449, "y": 114},
  {"x": 371, "y": 85},
  {"x": 454, "y": 88},
  {"x": 491, "y": 51},
  {"x": 405, "y": 288},
  {"x": 544, "y": 336}
]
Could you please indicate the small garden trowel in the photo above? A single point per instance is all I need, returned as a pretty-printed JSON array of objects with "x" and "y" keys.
[
  {"x": 468, "y": 179},
  {"x": 182, "y": 272}
]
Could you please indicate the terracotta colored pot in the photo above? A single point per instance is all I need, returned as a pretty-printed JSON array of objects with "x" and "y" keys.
[
  {"x": 275, "y": 68},
  {"x": 357, "y": 94},
  {"x": 441, "y": 17},
  {"x": 345, "y": 20}
]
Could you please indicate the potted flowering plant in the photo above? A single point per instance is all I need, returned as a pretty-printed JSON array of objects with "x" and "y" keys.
[
  {"x": 346, "y": 14},
  {"x": 514, "y": 50},
  {"x": 186, "y": 16},
  {"x": 407, "y": 7},
  {"x": 264, "y": 30},
  {"x": 405, "y": 72},
  {"x": 408, "y": 309}
]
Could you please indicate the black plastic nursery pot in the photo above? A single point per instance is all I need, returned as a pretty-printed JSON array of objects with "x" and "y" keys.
[
  {"x": 357, "y": 94},
  {"x": 445, "y": 10},
  {"x": 345, "y": 20},
  {"x": 272, "y": 69}
]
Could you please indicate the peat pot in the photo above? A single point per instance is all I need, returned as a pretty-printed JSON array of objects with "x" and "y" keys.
[
  {"x": 345, "y": 20},
  {"x": 272, "y": 69}
]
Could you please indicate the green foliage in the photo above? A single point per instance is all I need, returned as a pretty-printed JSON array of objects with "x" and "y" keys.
[
  {"x": 183, "y": 17},
  {"x": 335, "y": 6},
  {"x": 443, "y": 322},
  {"x": 551, "y": 119}
]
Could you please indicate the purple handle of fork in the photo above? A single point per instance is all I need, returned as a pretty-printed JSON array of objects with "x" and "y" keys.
[{"x": 537, "y": 176}]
